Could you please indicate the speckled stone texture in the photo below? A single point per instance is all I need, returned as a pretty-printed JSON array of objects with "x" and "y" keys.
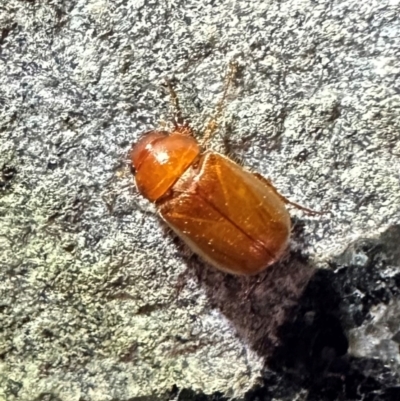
[{"x": 98, "y": 301}]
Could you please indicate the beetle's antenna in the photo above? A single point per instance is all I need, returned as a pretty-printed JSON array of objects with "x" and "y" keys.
[
  {"x": 177, "y": 118},
  {"x": 219, "y": 108}
]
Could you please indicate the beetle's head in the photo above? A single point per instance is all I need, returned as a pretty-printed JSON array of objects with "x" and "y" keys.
[{"x": 159, "y": 159}]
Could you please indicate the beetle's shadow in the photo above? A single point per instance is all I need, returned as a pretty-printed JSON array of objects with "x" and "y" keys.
[
  {"x": 297, "y": 317},
  {"x": 257, "y": 305}
]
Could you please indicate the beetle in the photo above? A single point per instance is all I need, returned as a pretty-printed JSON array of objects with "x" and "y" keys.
[{"x": 234, "y": 219}]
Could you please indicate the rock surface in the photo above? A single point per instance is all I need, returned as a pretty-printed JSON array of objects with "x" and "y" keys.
[{"x": 98, "y": 301}]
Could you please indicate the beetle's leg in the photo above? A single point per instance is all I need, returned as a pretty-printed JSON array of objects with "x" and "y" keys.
[
  {"x": 284, "y": 199},
  {"x": 219, "y": 108},
  {"x": 177, "y": 118}
]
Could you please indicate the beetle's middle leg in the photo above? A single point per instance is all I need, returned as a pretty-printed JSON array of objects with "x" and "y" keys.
[
  {"x": 284, "y": 199},
  {"x": 219, "y": 108}
]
